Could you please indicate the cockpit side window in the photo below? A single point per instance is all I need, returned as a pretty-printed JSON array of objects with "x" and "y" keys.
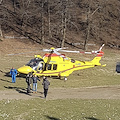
[{"x": 34, "y": 62}]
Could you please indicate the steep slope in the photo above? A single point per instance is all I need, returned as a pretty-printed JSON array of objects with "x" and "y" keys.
[
  {"x": 78, "y": 21},
  {"x": 11, "y": 46}
]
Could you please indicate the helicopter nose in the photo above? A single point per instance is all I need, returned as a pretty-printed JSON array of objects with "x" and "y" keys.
[{"x": 25, "y": 69}]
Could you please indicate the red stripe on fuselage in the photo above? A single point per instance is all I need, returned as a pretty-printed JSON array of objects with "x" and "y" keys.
[{"x": 65, "y": 70}]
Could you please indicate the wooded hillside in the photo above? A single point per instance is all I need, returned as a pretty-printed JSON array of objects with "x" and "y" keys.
[{"x": 62, "y": 22}]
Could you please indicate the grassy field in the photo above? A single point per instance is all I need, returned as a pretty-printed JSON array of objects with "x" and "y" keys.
[{"x": 68, "y": 109}]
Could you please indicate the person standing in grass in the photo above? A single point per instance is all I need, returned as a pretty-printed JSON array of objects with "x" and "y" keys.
[
  {"x": 45, "y": 84},
  {"x": 28, "y": 81},
  {"x": 13, "y": 73},
  {"x": 35, "y": 78}
]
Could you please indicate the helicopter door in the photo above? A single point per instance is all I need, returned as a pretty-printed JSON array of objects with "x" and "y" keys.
[
  {"x": 40, "y": 66},
  {"x": 47, "y": 66}
]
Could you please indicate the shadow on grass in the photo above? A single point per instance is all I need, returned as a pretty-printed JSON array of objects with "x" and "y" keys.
[
  {"x": 18, "y": 89},
  {"x": 7, "y": 74},
  {"x": 6, "y": 80},
  {"x": 91, "y": 118},
  {"x": 51, "y": 118}
]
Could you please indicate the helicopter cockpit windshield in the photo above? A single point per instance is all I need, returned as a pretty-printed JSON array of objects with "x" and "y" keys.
[{"x": 34, "y": 63}]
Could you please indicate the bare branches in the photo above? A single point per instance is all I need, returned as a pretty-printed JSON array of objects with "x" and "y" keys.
[{"x": 57, "y": 21}]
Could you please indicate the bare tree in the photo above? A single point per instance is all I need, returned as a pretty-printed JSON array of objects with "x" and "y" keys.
[
  {"x": 42, "y": 25},
  {"x": 1, "y": 34},
  {"x": 92, "y": 23},
  {"x": 64, "y": 23},
  {"x": 57, "y": 19},
  {"x": 49, "y": 20},
  {"x": 88, "y": 24},
  {"x": 1, "y": 1}
]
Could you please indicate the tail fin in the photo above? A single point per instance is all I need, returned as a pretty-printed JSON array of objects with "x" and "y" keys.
[{"x": 97, "y": 59}]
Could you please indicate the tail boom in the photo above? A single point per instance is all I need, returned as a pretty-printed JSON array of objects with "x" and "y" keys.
[{"x": 96, "y": 60}]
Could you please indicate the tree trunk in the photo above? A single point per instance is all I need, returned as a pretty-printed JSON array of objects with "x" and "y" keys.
[
  {"x": 42, "y": 27},
  {"x": 88, "y": 27},
  {"x": 64, "y": 33},
  {"x": 49, "y": 20},
  {"x": 64, "y": 19},
  {"x": 1, "y": 1},
  {"x": 87, "y": 37},
  {"x": 1, "y": 33}
]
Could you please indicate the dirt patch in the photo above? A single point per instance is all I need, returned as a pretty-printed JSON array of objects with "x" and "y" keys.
[{"x": 106, "y": 92}]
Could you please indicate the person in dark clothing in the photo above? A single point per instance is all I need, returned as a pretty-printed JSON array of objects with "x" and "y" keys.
[
  {"x": 35, "y": 78},
  {"x": 28, "y": 81},
  {"x": 45, "y": 84}
]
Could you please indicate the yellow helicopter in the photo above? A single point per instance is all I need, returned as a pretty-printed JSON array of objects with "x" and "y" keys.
[{"x": 57, "y": 64}]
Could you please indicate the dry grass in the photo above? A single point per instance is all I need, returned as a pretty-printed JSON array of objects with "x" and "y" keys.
[{"x": 69, "y": 109}]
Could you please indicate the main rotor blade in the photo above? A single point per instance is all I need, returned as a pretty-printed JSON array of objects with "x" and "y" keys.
[
  {"x": 70, "y": 51},
  {"x": 77, "y": 52},
  {"x": 59, "y": 54},
  {"x": 47, "y": 50},
  {"x": 59, "y": 49}
]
